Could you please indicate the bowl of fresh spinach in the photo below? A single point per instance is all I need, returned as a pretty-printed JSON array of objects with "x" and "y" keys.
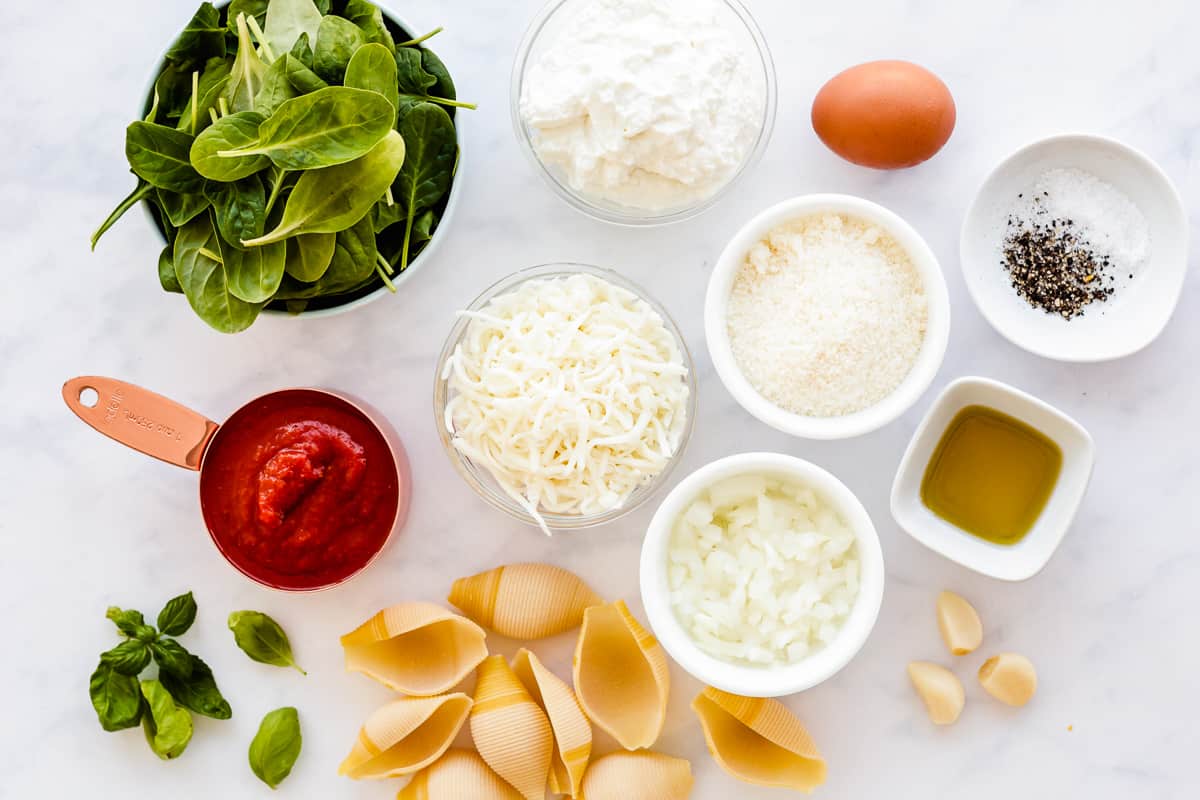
[{"x": 297, "y": 156}]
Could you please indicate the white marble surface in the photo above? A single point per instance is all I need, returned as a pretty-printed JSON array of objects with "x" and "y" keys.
[{"x": 1111, "y": 623}]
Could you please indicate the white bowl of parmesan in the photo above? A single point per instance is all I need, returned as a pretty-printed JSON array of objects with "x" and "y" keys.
[
  {"x": 565, "y": 396},
  {"x": 643, "y": 112},
  {"x": 762, "y": 574},
  {"x": 827, "y": 316}
]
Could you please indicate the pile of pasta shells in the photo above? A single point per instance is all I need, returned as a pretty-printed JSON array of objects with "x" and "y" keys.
[{"x": 531, "y": 729}]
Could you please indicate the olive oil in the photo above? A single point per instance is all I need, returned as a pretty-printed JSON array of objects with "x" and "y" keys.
[{"x": 991, "y": 475}]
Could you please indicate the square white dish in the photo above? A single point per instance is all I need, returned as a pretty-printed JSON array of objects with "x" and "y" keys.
[{"x": 1026, "y": 558}]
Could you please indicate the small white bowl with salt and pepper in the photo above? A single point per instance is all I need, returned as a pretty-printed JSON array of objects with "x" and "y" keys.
[
  {"x": 762, "y": 574},
  {"x": 1075, "y": 248},
  {"x": 827, "y": 316}
]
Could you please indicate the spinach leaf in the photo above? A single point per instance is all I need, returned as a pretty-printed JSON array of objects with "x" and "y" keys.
[
  {"x": 128, "y": 658},
  {"x": 172, "y": 91},
  {"x": 127, "y": 621},
  {"x": 444, "y": 87},
  {"x": 199, "y": 693},
  {"x": 303, "y": 79},
  {"x": 330, "y": 126},
  {"x": 276, "y": 746},
  {"x": 416, "y": 82},
  {"x": 295, "y": 307},
  {"x": 224, "y": 136},
  {"x": 202, "y": 277},
  {"x": 254, "y": 274},
  {"x": 351, "y": 265},
  {"x": 210, "y": 86},
  {"x": 383, "y": 216},
  {"x": 261, "y": 638},
  {"x": 168, "y": 727},
  {"x": 166, "y": 270},
  {"x": 172, "y": 657},
  {"x": 248, "y": 72},
  {"x": 159, "y": 155},
  {"x": 251, "y": 8},
  {"x": 180, "y": 208},
  {"x": 116, "y": 698},
  {"x": 239, "y": 210},
  {"x": 369, "y": 19},
  {"x": 203, "y": 38},
  {"x": 177, "y": 615},
  {"x": 139, "y": 193},
  {"x": 428, "y": 168},
  {"x": 302, "y": 51},
  {"x": 287, "y": 20},
  {"x": 276, "y": 89},
  {"x": 332, "y": 199},
  {"x": 337, "y": 40},
  {"x": 309, "y": 254},
  {"x": 373, "y": 68}
]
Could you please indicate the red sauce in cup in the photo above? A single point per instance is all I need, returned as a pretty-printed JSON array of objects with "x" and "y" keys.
[{"x": 299, "y": 489}]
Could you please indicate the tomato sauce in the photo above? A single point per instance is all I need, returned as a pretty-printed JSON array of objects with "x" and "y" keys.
[{"x": 299, "y": 489}]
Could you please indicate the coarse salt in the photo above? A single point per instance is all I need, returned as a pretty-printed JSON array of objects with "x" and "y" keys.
[{"x": 827, "y": 315}]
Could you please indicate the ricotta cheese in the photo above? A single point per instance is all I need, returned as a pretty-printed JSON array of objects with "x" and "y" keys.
[{"x": 651, "y": 105}]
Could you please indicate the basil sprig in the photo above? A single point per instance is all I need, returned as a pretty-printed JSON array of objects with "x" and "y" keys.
[
  {"x": 261, "y": 638},
  {"x": 185, "y": 683},
  {"x": 276, "y": 746}
]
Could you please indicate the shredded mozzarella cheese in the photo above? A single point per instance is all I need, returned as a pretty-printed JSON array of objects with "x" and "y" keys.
[{"x": 570, "y": 391}]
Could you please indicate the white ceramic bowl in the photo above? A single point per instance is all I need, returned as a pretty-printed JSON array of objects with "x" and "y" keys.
[
  {"x": 398, "y": 25},
  {"x": 547, "y": 23},
  {"x": 761, "y": 681},
  {"x": 1135, "y": 315},
  {"x": 1006, "y": 562},
  {"x": 933, "y": 350}
]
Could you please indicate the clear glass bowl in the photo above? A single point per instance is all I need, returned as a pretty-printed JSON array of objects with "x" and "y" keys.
[
  {"x": 479, "y": 479},
  {"x": 548, "y": 21}
]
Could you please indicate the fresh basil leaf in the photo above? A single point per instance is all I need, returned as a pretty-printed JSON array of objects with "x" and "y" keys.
[
  {"x": 130, "y": 657},
  {"x": 168, "y": 727},
  {"x": 261, "y": 638},
  {"x": 116, "y": 698},
  {"x": 180, "y": 208},
  {"x": 127, "y": 621},
  {"x": 334, "y": 198},
  {"x": 228, "y": 134},
  {"x": 276, "y": 89},
  {"x": 287, "y": 20},
  {"x": 369, "y": 19},
  {"x": 159, "y": 155},
  {"x": 276, "y": 746},
  {"x": 328, "y": 127},
  {"x": 373, "y": 68},
  {"x": 239, "y": 211},
  {"x": 177, "y": 615},
  {"x": 166, "y": 271},
  {"x": 199, "y": 692},
  {"x": 428, "y": 167},
  {"x": 248, "y": 72},
  {"x": 337, "y": 39},
  {"x": 172, "y": 657},
  {"x": 145, "y": 633},
  {"x": 308, "y": 255},
  {"x": 202, "y": 277},
  {"x": 302, "y": 78},
  {"x": 203, "y": 38}
]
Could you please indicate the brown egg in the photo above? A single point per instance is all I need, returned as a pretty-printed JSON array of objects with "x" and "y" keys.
[{"x": 884, "y": 114}]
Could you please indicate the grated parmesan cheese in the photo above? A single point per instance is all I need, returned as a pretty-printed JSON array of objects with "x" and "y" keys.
[
  {"x": 570, "y": 391},
  {"x": 827, "y": 315}
]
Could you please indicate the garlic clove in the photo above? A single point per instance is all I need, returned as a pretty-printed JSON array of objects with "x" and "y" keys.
[
  {"x": 1010, "y": 678},
  {"x": 959, "y": 623},
  {"x": 940, "y": 690}
]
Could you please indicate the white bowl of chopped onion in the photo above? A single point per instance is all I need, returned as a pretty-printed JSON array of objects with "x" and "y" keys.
[
  {"x": 827, "y": 316},
  {"x": 565, "y": 395},
  {"x": 762, "y": 574}
]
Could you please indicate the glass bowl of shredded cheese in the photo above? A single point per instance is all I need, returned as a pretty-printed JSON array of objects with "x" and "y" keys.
[{"x": 565, "y": 395}]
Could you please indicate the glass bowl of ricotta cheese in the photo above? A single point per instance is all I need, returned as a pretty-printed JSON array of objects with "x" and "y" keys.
[{"x": 643, "y": 112}]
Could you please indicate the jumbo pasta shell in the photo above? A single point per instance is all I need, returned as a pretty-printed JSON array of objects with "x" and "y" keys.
[
  {"x": 572, "y": 732},
  {"x": 510, "y": 731},
  {"x": 416, "y": 648},
  {"x": 644, "y": 775},
  {"x": 458, "y": 775},
  {"x": 621, "y": 676},
  {"x": 524, "y": 601},
  {"x": 406, "y": 736},
  {"x": 759, "y": 740}
]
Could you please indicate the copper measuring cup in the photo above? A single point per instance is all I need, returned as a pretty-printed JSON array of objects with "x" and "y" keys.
[{"x": 160, "y": 427}]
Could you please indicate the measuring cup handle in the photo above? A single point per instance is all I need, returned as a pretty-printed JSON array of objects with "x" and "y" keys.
[{"x": 143, "y": 420}]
